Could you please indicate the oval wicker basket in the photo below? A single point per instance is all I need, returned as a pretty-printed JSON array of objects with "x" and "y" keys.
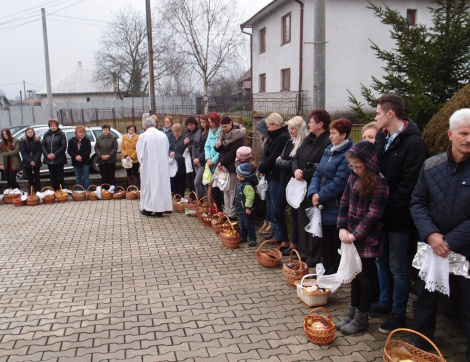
[
  {"x": 78, "y": 195},
  {"x": 48, "y": 199},
  {"x": 217, "y": 223},
  {"x": 269, "y": 258},
  {"x": 60, "y": 195},
  {"x": 318, "y": 335},
  {"x": 8, "y": 198},
  {"x": 206, "y": 205},
  {"x": 315, "y": 298},
  {"x": 105, "y": 194},
  {"x": 32, "y": 199},
  {"x": 291, "y": 274},
  {"x": 17, "y": 200},
  {"x": 229, "y": 236},
  {"x": 416, "y": 354},
  {"x": 119, "y": 193},
  {"x": 178, "y": 205},
  {"x": 91, "y": 195},
  {"x": 131, "y": 192},
  {"x": 191, "y": 207}
]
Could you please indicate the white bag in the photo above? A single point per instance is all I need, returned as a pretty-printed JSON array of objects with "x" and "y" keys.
[
  {"x": 295, "y": 192},
  {"x": 314, "y": 226},
  {"x": 221, "y": 179},
  {"x": 262, "y": 188},
  {"x": 126, "y": 163},
  {"x": 173, "y": 167},
  {"x": 188, "y": 162}
]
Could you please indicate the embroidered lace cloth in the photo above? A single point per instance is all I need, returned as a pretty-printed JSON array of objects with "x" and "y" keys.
[
  {"x": 350, "y": 264},
  {"x": 295, "y": 192},
  {"x": 314, "y": 226}
]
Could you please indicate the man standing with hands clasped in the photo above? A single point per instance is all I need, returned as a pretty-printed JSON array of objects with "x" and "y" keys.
[{"x": 440, "y": 207}]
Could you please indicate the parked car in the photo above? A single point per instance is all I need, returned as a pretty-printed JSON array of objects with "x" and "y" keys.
[{"x": 92, "y": 133}]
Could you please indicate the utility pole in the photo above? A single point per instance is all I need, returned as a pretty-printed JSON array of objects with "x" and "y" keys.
[
  {"x": 48, "y": 71},
  {"x": 25, "y": 96},
  {"x": 21, "y": 106},
  {"x": 150, "y": 50},
  {"x": 319, "y": 45}
]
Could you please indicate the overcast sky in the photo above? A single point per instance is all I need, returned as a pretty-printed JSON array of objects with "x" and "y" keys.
[{"x": 70, "y": 39}]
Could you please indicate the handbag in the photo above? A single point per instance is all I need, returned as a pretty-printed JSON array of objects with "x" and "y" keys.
[
  {"x": 221, "y": 179},
  {"x": 207, "y": 175}
]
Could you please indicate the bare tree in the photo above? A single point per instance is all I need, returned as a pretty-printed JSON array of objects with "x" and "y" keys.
[{"x": 207, "y": 33}]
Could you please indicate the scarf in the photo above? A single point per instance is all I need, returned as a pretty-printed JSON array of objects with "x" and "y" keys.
[
  {"x": 79, "y": 142},
  {"x": 131, "y": 136},
  {"x": 334, "y": 148}
]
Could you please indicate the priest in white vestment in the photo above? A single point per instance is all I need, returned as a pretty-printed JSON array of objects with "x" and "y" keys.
[{"x": 152, "y": 152}]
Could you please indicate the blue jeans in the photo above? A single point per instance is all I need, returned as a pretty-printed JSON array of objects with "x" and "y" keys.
[
  {"x": 273, "y": 186},
  {"x": 82, "y": 175},
  {"x": 392, "y": 267},
  {"x": 247, "y": 226},
  {"x": 269, "y": 210},
  {"x": 280, "y": 203}
]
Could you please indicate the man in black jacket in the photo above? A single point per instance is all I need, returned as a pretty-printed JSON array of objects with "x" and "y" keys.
[
  {"x": 401, "y": 153},
  {"x": 439, "y": 207}
]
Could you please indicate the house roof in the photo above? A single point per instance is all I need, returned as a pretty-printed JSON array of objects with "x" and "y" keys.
[
  {"x": 262, "y": 13},
  {"x": 78, "y": 80},
  {"x": 245, "y": 76}
]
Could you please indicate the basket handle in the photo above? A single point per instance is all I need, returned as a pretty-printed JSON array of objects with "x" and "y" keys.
[
  {"x": 118, "y": 187},
  {"x": 298, "y": 256},
  {"x": 134, "y": 186},
  {"x": 268, "y": 241},
  {"x": 419, "y": 334},
  {"x": 47, "y": 188},
  {"x": 192, "y": 192},
  {"x": 306, "y": 276},
  {"x": 174, "y": 197},
  {"x": 32, "y": 193},
  {"x": 106, "y": 185},
  {"x": 320, "y": 308},
  {"x": 74, "y": 186},
  {"x": 89, "y": 187}
]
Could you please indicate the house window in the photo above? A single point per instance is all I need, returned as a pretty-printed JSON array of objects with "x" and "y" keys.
[
  {"x": 88, "y": 99},
  {"x": 411, "y": 16},
  {"x": 285, "y": 74},
  {"x": 262, "y": 82},
  {"x": 286, "y": 29},
  {"x": 262, "y": 40}
]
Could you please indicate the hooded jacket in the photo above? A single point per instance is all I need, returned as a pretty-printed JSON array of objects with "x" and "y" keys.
[
  {"x": 209, "y": 147},
  {"x": 191, "y": 135},
  {"x": 361, "y": 215},
  {"x": 271, "y": 151},
  {"x": 400, "y": 164},
  {"x": 245, "y": 194},
  {"x": 228, "y": 153},
  {"x": 329, "y": 181},
  {"x": 56, "y": 143}
]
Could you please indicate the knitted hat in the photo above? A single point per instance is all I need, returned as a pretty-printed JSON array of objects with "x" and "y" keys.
[
  {"x": 244, "y": 152},
  {"x": 367, "y": 153},
  {"x": 244, "y": 170}
]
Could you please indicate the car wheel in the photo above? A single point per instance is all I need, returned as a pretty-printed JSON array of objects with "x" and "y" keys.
[
  {"x": 21, "y": 175},
  {"x": 94, "y": 165}
]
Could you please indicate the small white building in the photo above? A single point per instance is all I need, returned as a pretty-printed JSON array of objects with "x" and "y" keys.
[
  {"x": 77, "y": 86},
  {"x": 349, "y": 61}
]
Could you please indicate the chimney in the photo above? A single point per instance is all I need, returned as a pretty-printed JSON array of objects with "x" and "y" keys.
[{"x": 79, "y": 63}]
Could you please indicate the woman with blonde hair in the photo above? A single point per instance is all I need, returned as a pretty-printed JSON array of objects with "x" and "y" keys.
[
  {"x": 167, "y": 125},
  {"x": 298, "y": 131},
  {"x": 369, "y": 131}
]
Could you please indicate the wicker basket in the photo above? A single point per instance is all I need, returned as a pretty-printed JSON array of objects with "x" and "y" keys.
[
  {"x": 229, "y": 236},
  {"x": 178, "y": 205},
  {"x": 60, "y": 195},
  {"x": 291, "y": 274},
  {"x": 78, "y": 195},
  {"x": 415, "y": 353},
  {"x": 207, "y": 220},
  {"x": 91, "y": 195},
  {"x": 312, "y": 299},
  {"x": 131, "y": 192},
  {"x": 119, "y": 193},
  {"x": 105, "y": 194},
  {"x": 190, "y": 208},
  {"x": 269, "y": 258},
  {"x": 206, "y": 206},
  {"x": 48, "y": 199},
  {"x": 319, "y": 335},
  {"x": 17, "y": 200},
  {"x": 8, "y": 198},
  {"x": 217, "y": 223},
  {"x": 32, "y": 199}
]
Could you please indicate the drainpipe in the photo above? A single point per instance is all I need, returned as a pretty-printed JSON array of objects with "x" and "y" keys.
[
  {"x": 242, "y": 27},
  {"x": 301, "y": 46}
]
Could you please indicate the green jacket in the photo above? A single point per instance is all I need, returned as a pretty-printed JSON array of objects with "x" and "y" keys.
[{"x": 15, "y": 155}]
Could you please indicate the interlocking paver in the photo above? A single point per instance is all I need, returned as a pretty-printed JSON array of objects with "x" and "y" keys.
[{"x": 97, "y": 281}]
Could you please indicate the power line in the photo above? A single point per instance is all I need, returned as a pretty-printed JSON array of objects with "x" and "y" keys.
[
  {"x": 74, "y": 17},
  {"x": 75, "y": 22},
  {"x": 26, "y": 10},
  {"x": 32, "y": 13}
]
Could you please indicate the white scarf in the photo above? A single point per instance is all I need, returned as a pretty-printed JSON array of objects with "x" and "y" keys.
[
  {"x": 131, "y": 136},
  {"x": 334, "y": 148}
]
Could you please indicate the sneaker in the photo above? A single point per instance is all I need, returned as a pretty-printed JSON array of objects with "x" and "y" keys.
[
  {"x": 265, "y": 224},
  {"x": 393, "y": 322},
  {"x": 252, "y": 243},
  {"x": 269, "y": 236},
  {"x": 268, "y": 229},
  {"x": 377, "y": 308}
]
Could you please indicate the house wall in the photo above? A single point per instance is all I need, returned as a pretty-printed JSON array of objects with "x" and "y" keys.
[{"x": 349, "y": 59}]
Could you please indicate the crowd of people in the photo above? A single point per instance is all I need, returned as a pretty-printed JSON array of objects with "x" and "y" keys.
[{"x": 372, "y": 194}]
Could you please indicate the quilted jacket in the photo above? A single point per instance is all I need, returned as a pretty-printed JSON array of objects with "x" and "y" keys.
[
  {"x": 329, "y": 181},
  {"x": 441, "y": 199}
]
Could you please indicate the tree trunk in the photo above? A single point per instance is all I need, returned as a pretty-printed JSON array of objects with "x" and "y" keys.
[{"x": 205, "y": 99}]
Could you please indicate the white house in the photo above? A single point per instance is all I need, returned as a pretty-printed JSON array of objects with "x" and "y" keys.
[
  {"x": 349, "y": 61},
  {"x": 78, "y": 85}
]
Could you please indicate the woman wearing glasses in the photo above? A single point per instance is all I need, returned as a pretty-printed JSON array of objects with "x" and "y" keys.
[{"x": 327, "y": 187}]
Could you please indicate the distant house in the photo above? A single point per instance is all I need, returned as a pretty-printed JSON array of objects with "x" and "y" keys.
[
  {"x": 78, "y": 85},
  {"x": 244, "y": 82},
  {"x": 283, "y": 66}
]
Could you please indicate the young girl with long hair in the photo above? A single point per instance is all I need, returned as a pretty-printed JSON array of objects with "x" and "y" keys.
[
  {"x": 360, "y": 211},
  {"x": 10, "y": 162}
]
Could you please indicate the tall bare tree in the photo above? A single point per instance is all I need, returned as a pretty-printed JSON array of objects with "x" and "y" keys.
[{"x": 207, "y": 32}]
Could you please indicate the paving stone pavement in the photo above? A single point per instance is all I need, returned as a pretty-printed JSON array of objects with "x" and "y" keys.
[{"x": 97, "y": 281}]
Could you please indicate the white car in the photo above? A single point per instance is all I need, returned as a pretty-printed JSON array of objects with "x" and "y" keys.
[{"x": 91, "y": 132}]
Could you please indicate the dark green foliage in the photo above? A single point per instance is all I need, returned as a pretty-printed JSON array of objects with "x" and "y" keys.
[
  {"x": 427, "y": 65},
  {"x": 435, "y": 133}
]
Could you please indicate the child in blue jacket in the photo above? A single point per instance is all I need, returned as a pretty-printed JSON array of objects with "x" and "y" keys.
[{"x": 244, "y": 202}]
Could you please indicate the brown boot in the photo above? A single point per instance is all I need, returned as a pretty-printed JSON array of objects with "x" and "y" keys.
[{"x": 130, "y": 181}]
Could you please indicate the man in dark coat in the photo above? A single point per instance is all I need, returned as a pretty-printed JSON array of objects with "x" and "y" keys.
[
  {"x": 401, "y": 153},
  {"x": 440, "y": 210}
]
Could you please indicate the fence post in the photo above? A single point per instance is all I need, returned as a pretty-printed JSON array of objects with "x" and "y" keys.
[
  {"x": 114, "y": 118},
  {"x": 83, "y": 117},
  {"x": 133, "y": 115},
  {"x": 71, "y": 115},
  {"x": 96, "y": 115}
]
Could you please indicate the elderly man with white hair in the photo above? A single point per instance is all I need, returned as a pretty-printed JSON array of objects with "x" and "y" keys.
[
  {"x": 440, "y": 207},
  {"x": 152, "y": 151}
]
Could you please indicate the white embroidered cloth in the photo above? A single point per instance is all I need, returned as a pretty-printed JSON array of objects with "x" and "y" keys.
[
  {"x": 188, "y": 162},
  {"x": 295, "y": 192},
  {"x": 314, "y": 226},
  {"x": 350, "y": 264},
  {"x": 173, "y": 167},
  {"x": 126, "y": 163},
  {"x": 262, "y": 188}
]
